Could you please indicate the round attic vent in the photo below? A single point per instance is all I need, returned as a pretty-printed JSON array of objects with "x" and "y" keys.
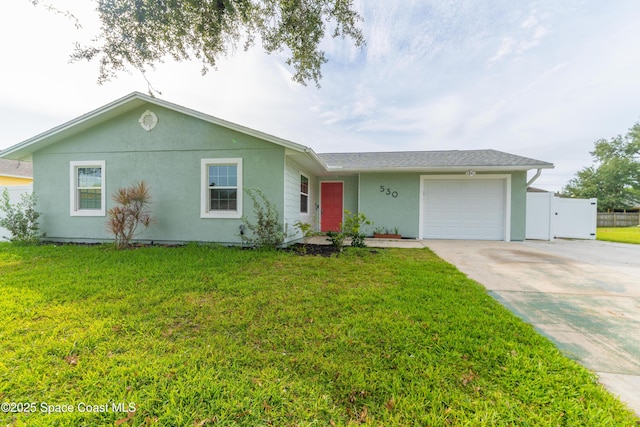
[{"x": 148, "y": 120}]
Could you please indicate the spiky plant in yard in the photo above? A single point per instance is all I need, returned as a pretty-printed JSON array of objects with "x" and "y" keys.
[
  {"x": 21, "y": 219},
  {"x": 267, "y": 231},
  {"x": 131, "y": 213}
]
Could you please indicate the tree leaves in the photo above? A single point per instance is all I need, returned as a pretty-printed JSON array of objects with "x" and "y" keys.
[
  {"x": 142, "y": 33},
  {"x": 614, "y": 179}
]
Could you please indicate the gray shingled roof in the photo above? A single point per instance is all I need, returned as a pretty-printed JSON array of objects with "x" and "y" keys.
[
  {"x": 16, "y": 168},
  {"x": 430, "y": 160}
]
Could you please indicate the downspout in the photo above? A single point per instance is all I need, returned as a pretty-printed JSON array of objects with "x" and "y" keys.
[{"x": 536, "y": 176}]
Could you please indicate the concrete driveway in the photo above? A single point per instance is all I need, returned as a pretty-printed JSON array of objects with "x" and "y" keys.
[{"x": 582, "y": 294}]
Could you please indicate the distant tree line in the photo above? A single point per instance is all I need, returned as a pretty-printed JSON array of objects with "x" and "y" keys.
[{"x": 614, "y": 177}]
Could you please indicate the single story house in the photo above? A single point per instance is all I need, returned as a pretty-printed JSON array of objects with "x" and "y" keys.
[
  {"x": 198, "y": 167},
  {"x": 14, "y": 172}
]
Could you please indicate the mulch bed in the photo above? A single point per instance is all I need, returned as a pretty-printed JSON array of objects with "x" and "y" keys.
[{"x": 310, "y": 249}]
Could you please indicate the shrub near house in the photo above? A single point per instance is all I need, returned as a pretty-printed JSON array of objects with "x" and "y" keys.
[
  {"x": 266, "y": 232},
  {"x": 21, "y": 219}
]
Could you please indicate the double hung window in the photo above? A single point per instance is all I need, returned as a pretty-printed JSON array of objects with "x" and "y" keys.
[
  {"x": 304, "y": 194},
  {"x": 87, "y": 188},
  {"x": 221, "y": 188}
]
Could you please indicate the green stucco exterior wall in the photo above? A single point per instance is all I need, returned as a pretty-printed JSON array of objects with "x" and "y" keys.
[
  {"x": 392, "y": 200},
  {"x": 168, "y": 158}
]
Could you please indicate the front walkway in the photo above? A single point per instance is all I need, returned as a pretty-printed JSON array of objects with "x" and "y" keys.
[{"x": 376, "y": 243}]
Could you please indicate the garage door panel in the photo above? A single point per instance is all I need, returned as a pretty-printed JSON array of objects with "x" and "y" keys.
[{"x": 464, "y": 209}]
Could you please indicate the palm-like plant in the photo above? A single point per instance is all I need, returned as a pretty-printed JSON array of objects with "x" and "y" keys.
[{"x": 131, "y": 213}]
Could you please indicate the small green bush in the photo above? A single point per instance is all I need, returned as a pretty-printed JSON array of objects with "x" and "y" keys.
[
  {"x": 306, "y": 230},
  {"x": 21, "y": 218},
  {"x": 266, "y": 232},
  {"x": 336, "y": 238},
  {"x": 354, "y": 227}
]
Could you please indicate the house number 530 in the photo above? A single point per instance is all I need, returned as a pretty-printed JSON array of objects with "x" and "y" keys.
[{"x": 388, "y": 191}]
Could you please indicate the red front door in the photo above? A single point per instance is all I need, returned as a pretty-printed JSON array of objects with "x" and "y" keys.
[{"x": 331, "y": 206}]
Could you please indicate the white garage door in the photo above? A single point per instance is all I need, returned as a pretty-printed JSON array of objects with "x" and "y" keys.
[{"x": 471, "y": 209}]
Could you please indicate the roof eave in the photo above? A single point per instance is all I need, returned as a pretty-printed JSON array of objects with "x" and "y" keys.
[
  {"x": 309, "y": 159},
  {"x": 7, "y": 175},
  {"x": 439, "y": 169},
  {"x": 25, "y": 149}
]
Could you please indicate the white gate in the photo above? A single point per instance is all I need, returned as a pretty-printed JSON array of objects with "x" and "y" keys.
[
  {"x": 550, "y": 217},
  {"x": 539, "y": 216},
  {"x": 15, "y": 193}
]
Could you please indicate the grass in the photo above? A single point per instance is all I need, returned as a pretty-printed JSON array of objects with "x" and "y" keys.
[
  {"x": 195, "y": 336},
  {"x": 619, "y": 234}
]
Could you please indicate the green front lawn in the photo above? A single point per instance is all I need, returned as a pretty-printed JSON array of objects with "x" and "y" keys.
[
  {"x": 619, "y": 234},
  {"x": 195, "y": 336}
]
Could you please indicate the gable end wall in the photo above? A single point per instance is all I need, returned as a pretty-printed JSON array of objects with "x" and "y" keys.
[{"x": 168, "y": 158}]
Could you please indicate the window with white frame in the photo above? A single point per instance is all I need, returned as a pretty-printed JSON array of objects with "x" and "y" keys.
[
  {"x": 87, "y": 188},
  {"x": 221, "y": 188},
  {"x": 304, "y": 194}
]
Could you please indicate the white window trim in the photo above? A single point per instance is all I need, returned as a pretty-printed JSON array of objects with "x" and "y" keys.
[
  {"x": 204, "y": 188},
  {"x": 308, "y": 194},
  {"x": 73, "y": 166}
]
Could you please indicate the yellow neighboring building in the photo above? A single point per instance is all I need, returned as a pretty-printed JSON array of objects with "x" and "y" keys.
[{"x": 14, "y": 172}]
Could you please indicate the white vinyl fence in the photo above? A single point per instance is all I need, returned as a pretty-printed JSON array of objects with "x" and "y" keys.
[
  {"x": 14, "y": 196},
  {"x": 550, "y": 217}
]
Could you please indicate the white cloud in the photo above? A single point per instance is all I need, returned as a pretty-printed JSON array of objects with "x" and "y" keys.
[
  {"x": 507, "y": 46},
  {"x": 520, "y": 39}
]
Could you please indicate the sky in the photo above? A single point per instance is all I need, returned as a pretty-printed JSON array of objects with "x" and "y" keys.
[{"x": 543, "y": 79}]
